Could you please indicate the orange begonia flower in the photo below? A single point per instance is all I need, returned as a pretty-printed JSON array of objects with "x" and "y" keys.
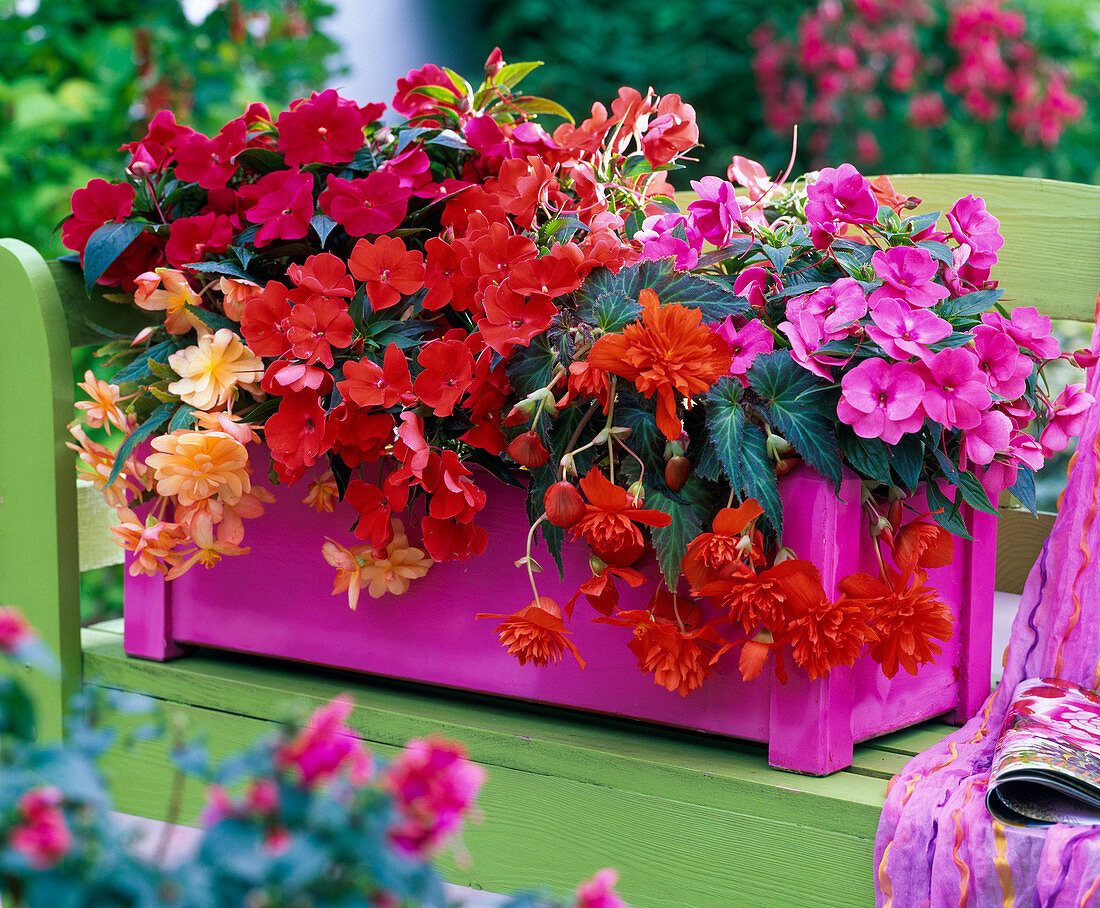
[
  {"x": 669, "y": 643},
  {"x": 208, "y": 548},
  {"x": 211, "y": 371},
  {"x": 133, "y": 479},
  {"x": 152, "y": 544},
  {"x": 823, "y": 634},
  {"x": 386, "y": 570},
  {"x": 708, "y": 553},
  {"x": 194, "y": 466},
  {"x": 921, "y": 544},
  {"x": 536, "y": 633},
  {"x": 753, "y": 598},
  {"x": 907, "y": 614},
  {"x": 668, "y": 351},
  {"x": 609, "y": 522},
  {"x": 323, "y": 494},
  {"x": 236, "y": 294}
]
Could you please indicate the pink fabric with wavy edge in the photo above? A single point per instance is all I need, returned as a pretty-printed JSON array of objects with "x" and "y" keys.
[{"x": 936, "y": 843}]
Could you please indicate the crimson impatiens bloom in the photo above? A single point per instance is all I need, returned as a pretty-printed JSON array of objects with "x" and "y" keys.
[
  {"x": 373, "y": 205},
  {"x": 669, "y": 351},
  {"x": 326, "y": 129},
  {"x": 610, "y": 522},
  {"x": 96, "y": 204},
  {"x": 189, "y": 239},
  {"x": 536, "y": 633},
  {"x": 283, "y": 204},
  {"x": 447, "y": 375},
  {"x": 388, "y": 268}
]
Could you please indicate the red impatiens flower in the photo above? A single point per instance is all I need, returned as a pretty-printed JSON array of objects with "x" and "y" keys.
[
  {"x": 283, "y": 204},
  {"x": 610, "y": 521},
  {"x": 389, "y": 269},
  {"x": 264, "y": 322},
  {"x": 190, "y": 239},
  {"x": 326, "y": 129},
  {"x": 296, "y": 432},
  {"x": 907, "y": 615},
  {"x": 370, "y": 385},
  {"x": 96, "y": 204},
  {"x": 823, "y": 634},
  {"x": 447, "y": 375},
  {"x": 161, "y": 139},
  {"x": 410, "y": 103},
  {"x": 549, "y": 275},
  {"x": 374, "y": 523},
  {"x": 317, "y": 325},
  {"x": 670, "y": 643},
  {"x": 285, "y": 376},
  {"x": 443, "y": 276},
  {"x": 536, "y": 633},
  {"x": 450, "y": 540},
  {"x": 668, "y": 351},
  {"x": 454, "y": 495},
  {"x": 510, "y": 319},
  {"x": 708, "y": 553},
  {"x": 373, "y": 205},
  {"x": 358, "y": 435},
  {"x": 325, "y": 274}
]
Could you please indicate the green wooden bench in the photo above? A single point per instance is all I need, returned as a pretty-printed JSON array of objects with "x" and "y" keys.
[{"x": 690, "y": 820}]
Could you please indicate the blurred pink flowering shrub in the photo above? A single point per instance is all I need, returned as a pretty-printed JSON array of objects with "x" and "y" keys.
[{"x": 889, "y": 68}]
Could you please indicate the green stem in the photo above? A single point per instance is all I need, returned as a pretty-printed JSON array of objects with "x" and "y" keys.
[{"x": 530, "y": 544}]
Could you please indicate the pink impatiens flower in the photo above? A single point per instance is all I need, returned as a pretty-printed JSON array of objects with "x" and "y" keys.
[
  {"x": 752, "y": 283},
  {"x": 283, "y": 205},
  {"x": 908, "y": 273},
  {"x": 598, "y": 892},
  {"x": 14, "y": 629},
  {"x": 745, "y": 344},
  {"x": 325, "y": 129},
  {"x": 434, "y": 786},
  {"x": 1027, "y": 328},
  {"x": 659, "y": 239},
  {"x": 956, "y": 393},
  {"x": 841, "y": 305},
  {"x": 1006, "y": 368},
  {"x": 1067, "y": 418},
  {"x": 988, "y": 438},
  {"x": 881, "y": 400},
  {"x": 42, "y": 835},
  {"x": 717, "y": 212},
  {"x": 904, "y": 332},
  {"x": 373, "y": 205},
  {"x": 973, "y": 226},
  {"x": 326, "y": 746},
  {"x": 840, "y": 194}
]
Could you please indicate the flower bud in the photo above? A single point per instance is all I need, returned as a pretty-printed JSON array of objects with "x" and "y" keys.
[
  {"x": 784, "y": 554},
  {"x": 596, "y": 565},
  {"x": 563, "y": 504},
  {"x": 636, "y": 493},
  {"x": 677, "y": 471},
  {"x": 521, "y": 412},
  {"x": 567, "y": 464},
  {"x": 778, "y": 446},
  {"x": 528, "y": 450}
]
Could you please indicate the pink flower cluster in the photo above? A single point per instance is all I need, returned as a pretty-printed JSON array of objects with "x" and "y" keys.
[
  {"x": 434, "y": 786},
  {"x": 903, "y": 373},
  {"x": 327, "y": 747},
  {"x": 42, "y": 835},
  {"x": 845, "y": 49}
]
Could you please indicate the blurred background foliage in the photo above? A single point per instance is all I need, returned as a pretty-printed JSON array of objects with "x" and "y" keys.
[
  {"x": 704, "y": 50},
  {"x": 77, "y": 79}
]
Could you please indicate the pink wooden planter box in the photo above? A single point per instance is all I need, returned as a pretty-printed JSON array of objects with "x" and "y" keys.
[{"x": 276, "y": 602}]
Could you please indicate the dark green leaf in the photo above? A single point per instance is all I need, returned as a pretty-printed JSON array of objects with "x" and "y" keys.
[
  {"x": 139, "y": 370},
  {"x": 715, "y": 300},
  {"x": 726, "y": 426},
  {"x": 705, "y": 463},
  {"x": 970, "y": 304},
  {"x": 646, "y": 440},
  {"x": 16, "y": 710},
  {"x": 800, "y": 409},
  {"x": 758, "y": 476},
  {"x": 261, "y": 160},
  {"x": 148, "y": 428},
  {"x": 532, "y": 367},
  {"x": 938, "y": 251},
  {"x": 907, "y": 459},
  {"x": 554, "y": 536},
  {"x": 919, "y": 222},
  {"x": 610, "y": 301},
  {"x": 967, "y": 484},
  {"x": 635, "y": 165},
  {"x": 946, "y": 512},
  {"x": 956, "y": 339},
  {"x": 867, "y": 456},
  {"x": 492, "y": 464},
  {"x": 105, "y": 246},
  {"x": 687, "y": 522},
  {"x": 1024, "y": 488},
  {"x": 213, "y": 320},
  {"x": 322, "y": 225},
  {"x": 182, "y": 418},
  {"x": 228, "y": 269}
]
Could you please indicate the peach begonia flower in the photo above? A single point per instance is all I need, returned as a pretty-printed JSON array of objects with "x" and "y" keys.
[
  {"x": 323, "y": 494},
  {"x": 236, "y": 293},
  {"x": 210, "y": 371},
  {"x": 98, "y": 461},
  {"x": 103, "y": 406},
  {"x": 152, "y": 544},
  {"x": 208, "y": 548},
  {"x": 194, "y": 466},
  {"x": 228, "y": 518},
  {"x": 228, "y": 423},
  {"x": 174, "y": 298},
  {"x": 390, "y": 570}
]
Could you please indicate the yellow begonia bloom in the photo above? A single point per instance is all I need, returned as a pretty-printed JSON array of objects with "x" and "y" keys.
[
  {"x": 210, "y": 371},
  {"x": 195, "y": 466}
]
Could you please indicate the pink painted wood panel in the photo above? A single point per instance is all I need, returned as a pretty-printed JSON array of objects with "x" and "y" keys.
[{"x": 276, "y": 602}]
